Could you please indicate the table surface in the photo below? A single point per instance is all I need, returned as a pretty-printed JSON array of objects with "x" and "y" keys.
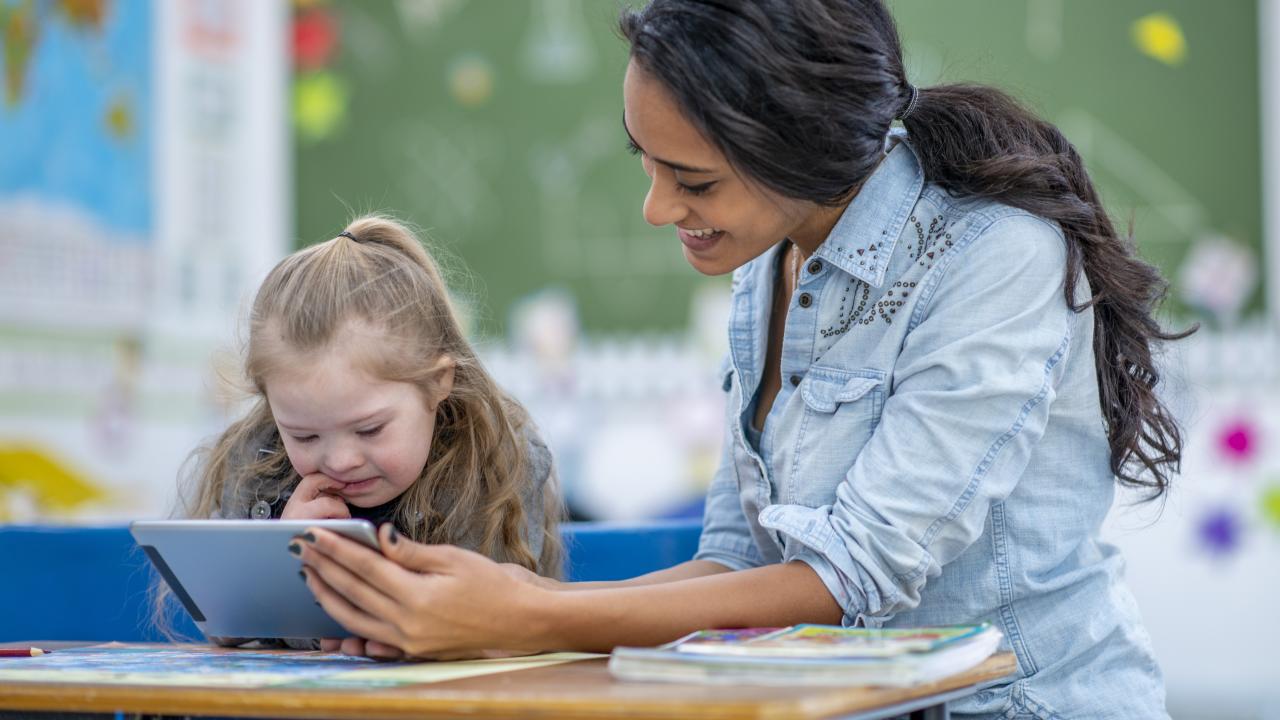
[{"x": 582, "y": 689}]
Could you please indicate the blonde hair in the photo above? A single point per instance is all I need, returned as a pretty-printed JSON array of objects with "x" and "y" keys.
[{"x": 471, "y": 491}]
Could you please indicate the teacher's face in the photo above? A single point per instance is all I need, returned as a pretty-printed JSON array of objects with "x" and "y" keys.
[{"x": 722, "y": 219}]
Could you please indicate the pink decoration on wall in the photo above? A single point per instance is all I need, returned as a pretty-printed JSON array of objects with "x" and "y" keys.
[{"x": 1238, "y": 440}]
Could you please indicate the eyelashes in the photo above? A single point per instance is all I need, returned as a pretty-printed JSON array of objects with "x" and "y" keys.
[
  {"x": 694, "y": 190},
  {"x": 371, "y": 432}
]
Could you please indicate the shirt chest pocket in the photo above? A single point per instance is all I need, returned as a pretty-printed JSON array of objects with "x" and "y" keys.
[{"x": 840, "y": 411}]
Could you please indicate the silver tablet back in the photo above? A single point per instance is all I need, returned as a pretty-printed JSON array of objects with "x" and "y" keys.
[{"x": 237, "y": 578}]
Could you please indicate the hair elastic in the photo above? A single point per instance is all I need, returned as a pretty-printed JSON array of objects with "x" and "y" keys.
[
  {"x": 911, "y": 104},
  {"x": 346, "y": 234}
]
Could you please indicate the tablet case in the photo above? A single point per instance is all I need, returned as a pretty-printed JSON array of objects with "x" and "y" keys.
[{"x": 238, "y": 579}]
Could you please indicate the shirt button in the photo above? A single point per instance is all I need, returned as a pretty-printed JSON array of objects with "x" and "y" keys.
[
  {"x": 261, "y": 510},
  {"x": 815, "y": 267},
  {"x": 795, "y": 380},
  {"x": 805, "y": 300}
]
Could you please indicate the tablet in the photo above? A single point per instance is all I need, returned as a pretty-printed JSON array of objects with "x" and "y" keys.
[{"x": 238, "y": 579}]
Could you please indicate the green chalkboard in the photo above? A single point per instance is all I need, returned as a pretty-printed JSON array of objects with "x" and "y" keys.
[
  {"x": 1173, "y": 139},
  {"x": 496, "y": 126}
]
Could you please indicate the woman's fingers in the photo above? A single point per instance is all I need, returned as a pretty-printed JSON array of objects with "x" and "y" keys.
[
  {"x": 358, "y": 622},
  {"x": 353, "y": 646},
  {"x": 349, "y": 581},
  {"x": 330, "y": 644},
  {"x": 423, "y": 600},
  {"x": 416, "y": 556}
]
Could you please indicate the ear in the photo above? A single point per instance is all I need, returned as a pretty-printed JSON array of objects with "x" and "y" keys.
[{"x": 442, "y": 384}]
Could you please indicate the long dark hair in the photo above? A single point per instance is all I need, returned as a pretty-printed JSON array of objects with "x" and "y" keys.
[{"x": 799, "y": 96}]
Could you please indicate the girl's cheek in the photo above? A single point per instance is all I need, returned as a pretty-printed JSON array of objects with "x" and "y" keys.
[{"x": 301, "y": 462}]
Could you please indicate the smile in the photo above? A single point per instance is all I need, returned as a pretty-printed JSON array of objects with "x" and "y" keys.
[{"x": 701, "y": 239}]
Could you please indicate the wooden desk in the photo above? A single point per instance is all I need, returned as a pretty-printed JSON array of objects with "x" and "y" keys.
[{"x": 582, "y": 689}]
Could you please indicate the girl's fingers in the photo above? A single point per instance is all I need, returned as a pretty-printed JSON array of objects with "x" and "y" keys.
[
  {"x": 353, "y": 646},
  {"x": 314, "y": 484},
  {"x": 330, "y": 506},
  {"x": 330, "y": 644},
  {"x": 382, "y": 651}
]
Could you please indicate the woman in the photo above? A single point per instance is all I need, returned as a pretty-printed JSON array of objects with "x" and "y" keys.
[{"x": 940, "y": 364}]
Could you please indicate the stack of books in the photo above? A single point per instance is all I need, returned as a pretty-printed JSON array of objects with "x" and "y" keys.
[{"x": 811, "y": 655}]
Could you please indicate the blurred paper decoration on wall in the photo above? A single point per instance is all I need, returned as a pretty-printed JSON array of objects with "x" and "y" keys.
[
  {"x": 1218, "y": 276},
  {"x": 420, "y": 17},
  {"x": 557, "y": 45},
  {"x": 544, "y": 327},
  {"x": 1270, "y": 503},
  {"x": 1238, "y": 440},
  {"x": 319, "y": 105},
  {"x": 315, "y": 36},
  {"x": 1220, "y": 530},
  {"x": 130, "y": 234},
  {"x": 471, "y": 80},
  {"x": 319, "y": 94},
  {"x": 1159, "y": 36},
  {"x": 35, "y": 484}
]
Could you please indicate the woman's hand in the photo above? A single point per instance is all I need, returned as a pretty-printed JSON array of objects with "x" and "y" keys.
[
  {"x": 432, "y": 601},
  {"x": 314, "y": 499},
  {"x": 525, "y": 575}
]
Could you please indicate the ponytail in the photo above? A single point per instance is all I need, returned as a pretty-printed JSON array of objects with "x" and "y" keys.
[{"x": 978, "y": 141}]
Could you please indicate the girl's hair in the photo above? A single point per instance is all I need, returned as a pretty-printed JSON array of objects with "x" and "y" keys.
[
  {"x": 378, "y": 274},
  {"x": 799, "y": 96}
]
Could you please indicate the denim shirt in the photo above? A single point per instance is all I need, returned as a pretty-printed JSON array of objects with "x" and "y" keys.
[{"x": 937, "y": 452}]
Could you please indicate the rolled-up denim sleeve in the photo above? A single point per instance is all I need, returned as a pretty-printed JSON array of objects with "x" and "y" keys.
[
  {"x": 970, "y": 399},
  {"x": 726, "y": 537}
]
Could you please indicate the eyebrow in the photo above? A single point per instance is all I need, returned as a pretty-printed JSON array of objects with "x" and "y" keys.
[
  {"x": 668, "y": 163},
  {"x": 367, "y": 418}
]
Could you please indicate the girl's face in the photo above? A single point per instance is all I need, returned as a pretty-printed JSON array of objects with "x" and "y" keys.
[
  {"x": 369, "y": 435},
  {"x": 722, "y": 220}
]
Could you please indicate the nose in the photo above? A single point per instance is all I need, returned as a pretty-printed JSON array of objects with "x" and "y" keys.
[
  {"x": 661, "y": 204},
  {"x": 341, "y": 457}
]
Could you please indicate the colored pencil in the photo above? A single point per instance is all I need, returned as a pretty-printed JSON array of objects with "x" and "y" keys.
[{"x": 23, "y": 652}]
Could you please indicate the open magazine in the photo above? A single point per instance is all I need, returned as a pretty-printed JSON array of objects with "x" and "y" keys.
[{"x": 811, "y": 655}]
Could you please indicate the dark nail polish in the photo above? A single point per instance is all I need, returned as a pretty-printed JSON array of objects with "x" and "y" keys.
[
  {"x": 302, "y": 574},
  {"x": 295, "y": 548},
  {"x": 308, "y": 537},
  {"x": 317, "y": 602},
  {"x": 394, "y": 535}
]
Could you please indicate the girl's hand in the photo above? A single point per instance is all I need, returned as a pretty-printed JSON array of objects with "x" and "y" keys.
[
  {"x": 431, "y": 601},
  {"x": 361, "y": 647},
  {"x": 313, "y": 499}
]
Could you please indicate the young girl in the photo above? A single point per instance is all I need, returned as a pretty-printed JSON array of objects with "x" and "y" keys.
[
  {"x": 371, "y": 404},
  {"x": 940, "y": 364}
]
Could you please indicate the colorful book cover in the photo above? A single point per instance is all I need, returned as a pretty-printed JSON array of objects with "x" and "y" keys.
[{"x": 817, "y": 641}]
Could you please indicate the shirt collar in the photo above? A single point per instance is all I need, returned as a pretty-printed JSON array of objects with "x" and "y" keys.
[{"x": 862, "y": 241}]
